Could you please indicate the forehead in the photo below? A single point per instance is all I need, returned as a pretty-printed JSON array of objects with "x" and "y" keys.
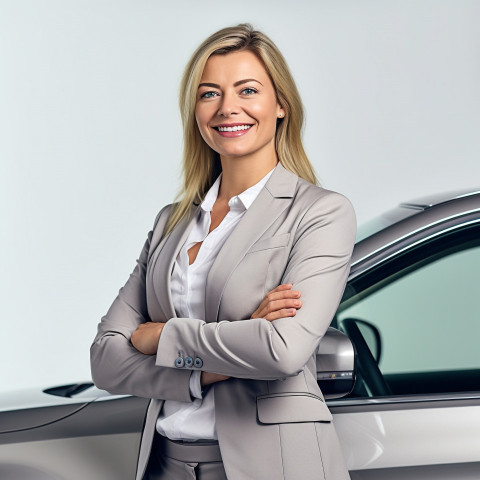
[{"x": 234, "y": 66}]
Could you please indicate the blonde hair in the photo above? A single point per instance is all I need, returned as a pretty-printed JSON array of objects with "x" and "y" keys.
[{"x": 201, "y": 165}]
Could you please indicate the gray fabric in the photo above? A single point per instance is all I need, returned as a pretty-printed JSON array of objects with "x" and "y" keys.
[
  {"x": 171, "y": 460},
  {"x": 171, "y": 469},
  {"x": 291, "y": 407},
  {"x": 188, "y": 451},
  {"x": 294, "y": 232}
]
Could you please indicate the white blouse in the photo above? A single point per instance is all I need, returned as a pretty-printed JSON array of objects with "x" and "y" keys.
[{"x": 195, "y": 420}]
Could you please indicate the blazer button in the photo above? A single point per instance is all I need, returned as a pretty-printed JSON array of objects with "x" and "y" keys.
[
  {"x": 188, "y": 362},
  {"x": 198, "y": 362},
  {"x": 179, "y": 362}
]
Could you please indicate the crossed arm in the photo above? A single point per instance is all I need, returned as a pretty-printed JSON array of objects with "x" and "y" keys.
[
  {"x": 278, "y": 303},
  {"x": 318, "y": 267}
]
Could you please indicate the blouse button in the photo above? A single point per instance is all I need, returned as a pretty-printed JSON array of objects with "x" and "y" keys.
[{"x": 198, "y": 362}]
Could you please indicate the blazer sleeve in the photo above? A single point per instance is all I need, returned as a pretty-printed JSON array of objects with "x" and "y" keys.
[
  {"x": 318, "y": 266},
  {"x": 116, "y": 365}
]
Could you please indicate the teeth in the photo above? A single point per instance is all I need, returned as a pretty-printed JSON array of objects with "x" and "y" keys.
[{"x": 233, "y": 129}]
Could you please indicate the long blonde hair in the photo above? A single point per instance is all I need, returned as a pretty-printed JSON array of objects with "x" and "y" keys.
[{"x": 201, "y": 165}]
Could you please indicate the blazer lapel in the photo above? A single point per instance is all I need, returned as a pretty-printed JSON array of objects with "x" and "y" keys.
[
  {"x": 163, "y": 261},
  {"x": 272, "y": 200}
]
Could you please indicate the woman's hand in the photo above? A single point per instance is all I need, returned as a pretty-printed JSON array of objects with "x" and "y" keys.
[
  {"x": 207, "y": 378},
  {"x": 279, "y": 302},
  {"x": 146, "y": 337}
]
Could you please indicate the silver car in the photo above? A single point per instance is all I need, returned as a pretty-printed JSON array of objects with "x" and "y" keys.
[{"x": 405, "y": 396}]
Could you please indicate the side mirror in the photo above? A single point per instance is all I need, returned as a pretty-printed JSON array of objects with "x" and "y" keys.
[
  {"x": 335, "y": 364},
  {"x": 368, "y": 346},
  {"x": 370, "y": 334}
]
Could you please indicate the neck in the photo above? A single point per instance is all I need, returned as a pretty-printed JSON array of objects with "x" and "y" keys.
[{"x": 238, "y": 174}]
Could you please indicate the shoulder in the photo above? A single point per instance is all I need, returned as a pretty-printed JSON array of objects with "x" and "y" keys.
[
  {"x": 163, "y": 215},
  {"x": 326, "y": 211},
  {"x": 319, "y": 199},
  {"x": 156, "y": 233},
  {"x": 325, "y": 218}
]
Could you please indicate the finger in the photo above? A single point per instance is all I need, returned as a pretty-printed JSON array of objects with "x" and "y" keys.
[
  {"x": 281, "y": 291},
  {"x": 283, "y": 295},
  {"x": 283, "y": 286},
  {"x": 275, "y": 305},
  {"x": 284, "y": 312},
  {"x": 282, "y": 304}
]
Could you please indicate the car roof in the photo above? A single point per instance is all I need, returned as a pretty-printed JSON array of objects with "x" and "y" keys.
[
  {"x": 437, "y": 198},
  {"x": 410, "y": 217}
]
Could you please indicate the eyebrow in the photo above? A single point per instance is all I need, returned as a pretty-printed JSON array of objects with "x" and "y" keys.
[{"x": 236, "y": 84}]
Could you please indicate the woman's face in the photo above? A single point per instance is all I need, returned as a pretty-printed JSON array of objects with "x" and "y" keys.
[{"x": 237, "y": 109}]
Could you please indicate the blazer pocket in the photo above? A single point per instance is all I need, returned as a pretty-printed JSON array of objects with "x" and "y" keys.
[
  {"x": 292, "y": 407},
  {"x": 270, "y": 242}
]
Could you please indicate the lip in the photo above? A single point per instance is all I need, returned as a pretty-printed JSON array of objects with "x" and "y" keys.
[
  {"x": 231, "y": 124},
  {"x": 238, "y": 133}
]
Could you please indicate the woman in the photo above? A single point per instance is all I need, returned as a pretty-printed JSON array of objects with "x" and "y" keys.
[{"x": 214, "y": 301}]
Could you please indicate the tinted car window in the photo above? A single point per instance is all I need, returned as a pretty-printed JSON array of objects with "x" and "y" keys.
[{"x": 420, "y": 317}]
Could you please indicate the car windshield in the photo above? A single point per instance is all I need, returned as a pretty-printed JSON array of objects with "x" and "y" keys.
[{"x": 370, "y": 227}]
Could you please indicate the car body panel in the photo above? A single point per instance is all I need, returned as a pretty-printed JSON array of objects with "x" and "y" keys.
[
  {"x": 412, "y": 437},
  {"x": 101, "y": 440},
  {"x": 105, "y": 457}
]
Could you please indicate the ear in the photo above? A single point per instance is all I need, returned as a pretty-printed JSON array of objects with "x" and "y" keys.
[{"x": 280, "y": 111}]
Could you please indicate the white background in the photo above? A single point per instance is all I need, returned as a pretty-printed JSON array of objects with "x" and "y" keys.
[{"x": 90, "y": 136}]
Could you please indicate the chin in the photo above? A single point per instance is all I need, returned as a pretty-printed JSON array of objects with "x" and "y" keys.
[{"x": 236, "y": 155}]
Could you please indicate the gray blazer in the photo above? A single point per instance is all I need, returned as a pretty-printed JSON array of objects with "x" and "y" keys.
[{"x": 271, "y": 418}]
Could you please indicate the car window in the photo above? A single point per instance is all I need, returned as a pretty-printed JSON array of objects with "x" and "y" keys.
[{"x": 421, "y": 320}]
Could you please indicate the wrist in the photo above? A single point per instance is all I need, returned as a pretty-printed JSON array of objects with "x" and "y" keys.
[
  {"x": 206, "y": 379},
  {"x": 161, "y": 325}
]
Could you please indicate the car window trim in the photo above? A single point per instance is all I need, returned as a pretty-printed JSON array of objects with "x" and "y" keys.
[
  {"x": 399, "y": 245},
  {"x": 404, "y": 402}
]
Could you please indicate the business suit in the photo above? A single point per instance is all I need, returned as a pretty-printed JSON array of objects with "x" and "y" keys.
[{"x": 271, "y": 418}]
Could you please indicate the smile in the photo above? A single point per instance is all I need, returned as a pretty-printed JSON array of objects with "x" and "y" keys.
[{"x": 233, "y": 131}]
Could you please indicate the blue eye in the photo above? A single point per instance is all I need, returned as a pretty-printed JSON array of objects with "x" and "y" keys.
[
  {"x": 208, "y": 94},
  {"x": 249, "y": 91}
]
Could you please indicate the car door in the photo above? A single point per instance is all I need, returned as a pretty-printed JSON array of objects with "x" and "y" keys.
[
  {"x": 414, "y": 319},
  {"x": 69, "y": 432}
]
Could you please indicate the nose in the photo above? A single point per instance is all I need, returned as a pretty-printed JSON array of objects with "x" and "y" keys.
[{"x": 228, "y": 105}]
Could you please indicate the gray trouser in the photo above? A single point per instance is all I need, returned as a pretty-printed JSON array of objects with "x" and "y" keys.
[{"x": 176, "y": 460}]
